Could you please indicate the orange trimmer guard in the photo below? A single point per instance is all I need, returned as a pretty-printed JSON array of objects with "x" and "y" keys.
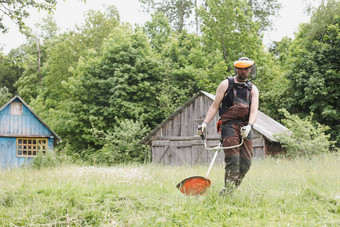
[{"x": 195, "y": 185}]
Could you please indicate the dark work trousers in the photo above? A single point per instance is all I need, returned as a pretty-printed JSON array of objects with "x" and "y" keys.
[{"x": 238, "y": 160}]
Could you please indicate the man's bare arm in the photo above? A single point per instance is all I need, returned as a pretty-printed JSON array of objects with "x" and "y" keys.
[
  {"x": 222, "y": 88},
  {"x": 254, "y": 105}
]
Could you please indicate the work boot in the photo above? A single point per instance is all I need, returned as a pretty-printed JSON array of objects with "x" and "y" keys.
[
  {"x": 227, "y": 189},
  {"x": 223, "y": 191}
]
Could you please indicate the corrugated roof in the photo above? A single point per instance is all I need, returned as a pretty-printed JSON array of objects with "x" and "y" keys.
[
  {"x": 264, "y": 124},
  {"x": 268, "y": 127},
  {"x": 28, "y": 107}
]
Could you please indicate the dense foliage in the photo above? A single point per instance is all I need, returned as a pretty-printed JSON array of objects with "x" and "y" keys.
[
  {"x": 120, "y": 83},
  {"x": 305, "y": 138},
  {"x": 120, "y": 144},
  {"x": 104, "y": 85},
  {"x": 313, "y": 69},
  {"x": 5, "y": 95},
  {"x": 17, "y": 11}
]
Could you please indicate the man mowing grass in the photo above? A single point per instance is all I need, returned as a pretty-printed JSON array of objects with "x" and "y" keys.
[{"x": 237, "y": 101}]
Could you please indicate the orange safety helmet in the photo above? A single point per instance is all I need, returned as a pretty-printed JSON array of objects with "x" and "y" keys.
[{"x": 243, "y": 63}]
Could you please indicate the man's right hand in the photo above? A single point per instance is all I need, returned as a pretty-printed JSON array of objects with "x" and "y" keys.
[
  {"x": 202, "y": 129},
  {"x": 245, "y": 130}
]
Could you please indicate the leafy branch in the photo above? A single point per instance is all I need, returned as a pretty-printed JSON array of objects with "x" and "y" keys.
[{"x": 17, "y": 11}]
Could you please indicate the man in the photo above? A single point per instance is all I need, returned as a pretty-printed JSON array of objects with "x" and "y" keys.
[{"x": 237, "y": 101}]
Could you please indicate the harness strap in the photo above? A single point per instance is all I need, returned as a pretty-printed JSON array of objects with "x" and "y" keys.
[{"x": 231, "y": 86}]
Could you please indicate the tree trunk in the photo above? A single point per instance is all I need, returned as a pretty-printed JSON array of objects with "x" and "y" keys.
[
  {"x": 224, "y": 50},
  {"x": 39, "y": 59},
  {"x": 181, "y": 14},
  {"x": 196, "y": 17}
]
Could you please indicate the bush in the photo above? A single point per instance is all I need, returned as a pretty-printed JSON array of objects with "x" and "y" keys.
[
  {"x": 121, "y": 144},
  {"x": 305, "y": 138},
  {"x": 68, "y": 155},
  {"x": 49, "y": 159}
]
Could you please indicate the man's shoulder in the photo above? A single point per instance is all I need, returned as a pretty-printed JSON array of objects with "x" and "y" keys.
[
  {"x": 254, "y": 89},
  {"x": 223, "y": 87},
  {"x": 228, "y": 80}
]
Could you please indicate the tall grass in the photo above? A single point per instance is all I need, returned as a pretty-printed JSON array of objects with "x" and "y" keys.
[{"x": 274, "y": 193}]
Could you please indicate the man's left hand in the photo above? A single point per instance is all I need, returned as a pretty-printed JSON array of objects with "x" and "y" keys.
[{"x": 245, "y": 130}]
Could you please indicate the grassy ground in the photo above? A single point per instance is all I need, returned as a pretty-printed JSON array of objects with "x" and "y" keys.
[{"x": 274, "y": 193}]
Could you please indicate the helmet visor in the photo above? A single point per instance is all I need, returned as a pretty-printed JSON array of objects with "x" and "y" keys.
[{"x": 243, "y": 64}]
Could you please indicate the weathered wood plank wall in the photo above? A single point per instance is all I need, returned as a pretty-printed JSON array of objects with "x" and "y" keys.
[
  {"x": 258, "y": 145},
  {"x": 177, "y": 142}
]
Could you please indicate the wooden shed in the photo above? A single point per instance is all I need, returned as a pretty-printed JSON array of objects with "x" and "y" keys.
[
  {"x": 175, "y": 140},
  {"x": 22, "y": 134}
]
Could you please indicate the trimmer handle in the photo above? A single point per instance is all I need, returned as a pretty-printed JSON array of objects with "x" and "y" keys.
[
  {"x": 199, "y": 130},
  {"x": 220, "y": 147}
]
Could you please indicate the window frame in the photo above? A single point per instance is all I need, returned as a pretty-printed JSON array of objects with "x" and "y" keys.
[{"x": 30, "y": 147}]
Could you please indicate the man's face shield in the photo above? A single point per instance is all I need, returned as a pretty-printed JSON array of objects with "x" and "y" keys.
[
  {"x": 243, "y": 64},
  {"x": 246, "y": 63}
]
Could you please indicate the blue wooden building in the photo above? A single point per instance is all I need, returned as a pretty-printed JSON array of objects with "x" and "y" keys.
[{"x": 22, "y": 134}]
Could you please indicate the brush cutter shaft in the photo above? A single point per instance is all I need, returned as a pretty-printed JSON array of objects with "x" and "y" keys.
[{"x": 212, "y": 162}]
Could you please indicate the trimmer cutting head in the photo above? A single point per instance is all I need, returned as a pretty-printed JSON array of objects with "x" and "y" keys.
[
  {"x": 198, "y": 185},
  {"x": 195, "y": 185}
]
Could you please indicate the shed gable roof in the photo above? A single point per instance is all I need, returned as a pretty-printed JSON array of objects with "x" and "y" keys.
[
  {"x": 30, "y": 109},
  {"x": 264, "y": 124}
]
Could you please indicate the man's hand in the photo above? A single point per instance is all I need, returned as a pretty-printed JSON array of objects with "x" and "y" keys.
[
  {"x": 202, "y": 129},
  {"x": 245, "y": 130}
]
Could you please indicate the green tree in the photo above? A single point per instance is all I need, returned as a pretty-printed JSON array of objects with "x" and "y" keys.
[
  {"x": 183, "y": 62},
  {"x": 49, "y": 28},
  {"x": 10, "y": 70},
  {"x": 177, "y": 11},
  {"x": 228, "y": 30},
  {"x": 122, "y": 82},
  {"x": 180, "y": 70},
  {"x": 18, "y": 11},
  {"x": 263, "y": 12},
  {"x": 314, "y": 68},
  {"x": 5, "y": 95},
  {"x": 62, "y": 54},
  {"x": 121, "y": 144},
  {"x": 280, "y": 49},
  {"x": 97, "y": 26},
  {"x": 180, "y": 12},
  {"x": 31, "y": 59},
  {"x": 158, "y": 30},
  {"x": 305, "y": 138},
  {"x": 228, "y": 27}
]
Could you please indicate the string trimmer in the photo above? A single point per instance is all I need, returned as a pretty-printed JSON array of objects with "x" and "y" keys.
[{"x": 197, "y": 185}]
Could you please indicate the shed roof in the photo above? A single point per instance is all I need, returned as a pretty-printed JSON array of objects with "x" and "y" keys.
[
  {"x": 30, "y": 109},
  {"x": 265, "y": 125}
]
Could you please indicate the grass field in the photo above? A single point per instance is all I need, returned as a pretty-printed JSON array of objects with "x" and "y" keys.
[{"x": 275, "y": 192}]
